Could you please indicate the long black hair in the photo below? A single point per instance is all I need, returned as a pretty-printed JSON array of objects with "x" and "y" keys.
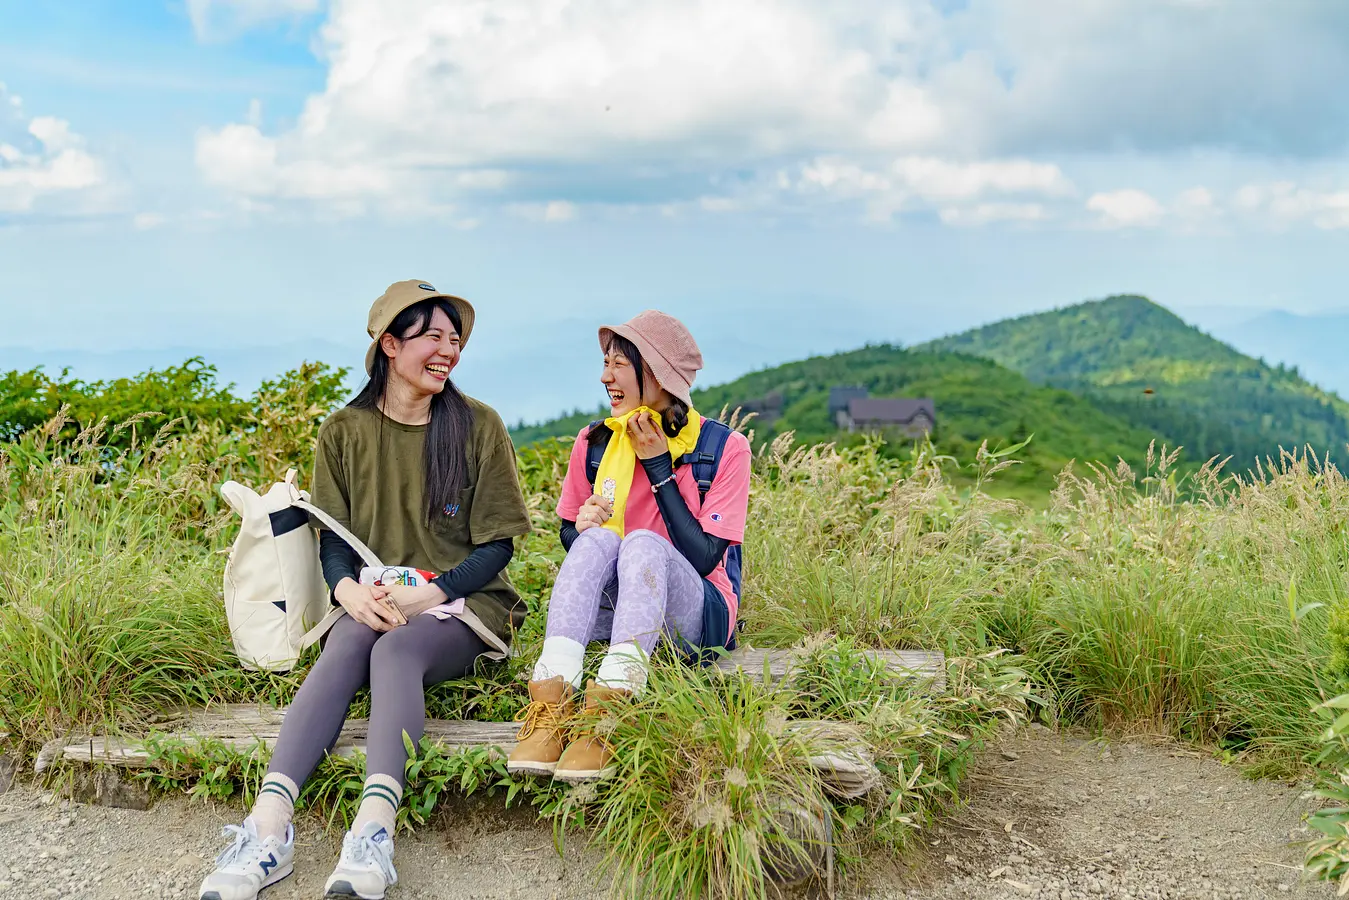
[
  {"x": 444, "y": 457},
  {"x": 672, "y": 420}
]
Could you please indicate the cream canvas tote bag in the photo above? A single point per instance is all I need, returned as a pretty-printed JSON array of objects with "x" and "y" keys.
[{"x": 276, "y": 601}]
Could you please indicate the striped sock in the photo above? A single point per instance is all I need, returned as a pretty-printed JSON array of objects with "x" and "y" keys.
[
  {"x": 379, "y": 803},
  {"x": 275, "y": 805}
]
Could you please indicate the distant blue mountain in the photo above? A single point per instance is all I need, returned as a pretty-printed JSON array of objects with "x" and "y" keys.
[{"x": 1317, "y": 344}]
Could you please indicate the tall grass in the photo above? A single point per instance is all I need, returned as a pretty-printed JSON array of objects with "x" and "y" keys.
[
  {"x": 1140, "y": 601},
  {"x": 715, "y": 794},
  {"x": 107, "y": 611},
  {"x": 1211, "y": 607},
  {"x": 1197, "y": 606}
]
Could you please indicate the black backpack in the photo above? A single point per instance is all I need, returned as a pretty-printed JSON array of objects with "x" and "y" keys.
[{"x": 705, "y": 458}]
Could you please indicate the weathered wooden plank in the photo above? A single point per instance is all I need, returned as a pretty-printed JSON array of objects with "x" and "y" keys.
[
  {"x": 241, "y": 726},
  {"x": 103, "y": 750},
  {"x": 841, "y": 758},
  {"x": 926, "y": 666},
  {"x": 840, "y": 755}
]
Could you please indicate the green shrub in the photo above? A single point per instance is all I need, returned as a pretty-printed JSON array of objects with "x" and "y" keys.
[{"x": 188, "y": 392}]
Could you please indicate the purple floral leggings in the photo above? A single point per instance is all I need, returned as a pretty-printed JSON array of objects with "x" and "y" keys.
[{"x": 635, "y": 588}]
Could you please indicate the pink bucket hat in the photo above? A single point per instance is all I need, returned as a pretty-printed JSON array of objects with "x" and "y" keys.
[{"x": 666, "y": 346}]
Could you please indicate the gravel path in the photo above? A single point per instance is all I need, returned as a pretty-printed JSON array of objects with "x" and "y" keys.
[
  {"x": 1062, "y": 817},
  {"x": 74, "y": 852},
  {"x": 1049, "y": 816}
]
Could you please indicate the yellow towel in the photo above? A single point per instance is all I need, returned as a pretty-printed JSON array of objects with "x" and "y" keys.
[{"x": 614, "y": 479}]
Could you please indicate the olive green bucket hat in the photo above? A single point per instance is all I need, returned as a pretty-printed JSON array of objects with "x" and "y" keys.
[{"x": 399, "y": 297}]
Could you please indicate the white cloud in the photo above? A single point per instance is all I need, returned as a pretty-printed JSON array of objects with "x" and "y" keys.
[
  {"x": 964, "y": 193},
  {"x": 54, "y": 134},
  {"x": 54, "y": 164},
  {"x": 1283, "y": 203},
  {"x": 1196, "y": 202},
  {"x": 422, "y": 91},
  {"x": 842, "y": 177},
  {"x": 213, "y": 19},
  {"x": 559, "y": 211},
  {"x": 553, "y": 211},
  {"x": 984, "y": 213},
  {"x": 240, "y": 156},
  {"x": 938, "y": 179},
  {"x": 718, "y": 204},
  {"x": 1197, "y": 209},
  {"x": 1150, "y": 75},
  {"x": 742, "y": 105},
  {"x": 1126, "y": 208}
]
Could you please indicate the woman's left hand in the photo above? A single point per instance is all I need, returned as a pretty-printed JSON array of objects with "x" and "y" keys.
[
  {"x": 414, "y": 601},
  {"x": 647, "y": 438}
]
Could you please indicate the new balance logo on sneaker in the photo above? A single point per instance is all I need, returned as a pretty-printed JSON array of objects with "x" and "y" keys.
[
  {"x": 366, "y": 866},
  {"x": 248, "y": 864}
]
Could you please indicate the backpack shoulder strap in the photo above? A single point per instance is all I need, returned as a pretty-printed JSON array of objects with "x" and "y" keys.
[
  {"x": 313, "y": 635},
  {"x": 366, "y": 554},
  {"x": 706, "y": 456},
  {"x": 595, "y": 453}
]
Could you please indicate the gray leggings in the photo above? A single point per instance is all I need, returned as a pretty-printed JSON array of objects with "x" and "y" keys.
[{"x": 397, "y": 665}]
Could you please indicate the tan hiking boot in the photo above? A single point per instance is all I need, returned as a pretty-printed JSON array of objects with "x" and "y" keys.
[
  {"x": 544, "y": 732},
  {"x": 589, "y": 757}
]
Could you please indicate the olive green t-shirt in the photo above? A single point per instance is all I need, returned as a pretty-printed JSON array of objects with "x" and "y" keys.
[{"x": 369, "y": 475}]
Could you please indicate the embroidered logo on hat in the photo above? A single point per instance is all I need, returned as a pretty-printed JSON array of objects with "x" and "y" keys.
[{"x": 425, "y": 287}]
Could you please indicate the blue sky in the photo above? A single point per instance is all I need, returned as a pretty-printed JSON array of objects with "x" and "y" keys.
[{"x": 241, "y": 178}]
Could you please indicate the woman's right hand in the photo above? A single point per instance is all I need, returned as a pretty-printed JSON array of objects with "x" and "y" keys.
[
  {"x": 593, "y": 513},
  {"x": 367, "y": 604}
]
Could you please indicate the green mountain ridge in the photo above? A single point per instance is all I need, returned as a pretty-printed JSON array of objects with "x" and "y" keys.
[
  {"x": 977, "y": 400},
  {"x": 1138, "y": 361},
  {"x": 1099, "y": 380}
]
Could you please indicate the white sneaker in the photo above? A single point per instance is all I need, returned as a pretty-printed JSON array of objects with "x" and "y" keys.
[
  {"x": 249, "y": 864},
  {"x": 366, "y": 866}
]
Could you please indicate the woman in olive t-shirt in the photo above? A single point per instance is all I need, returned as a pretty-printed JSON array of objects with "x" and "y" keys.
[{"x": 427, "y": 478}]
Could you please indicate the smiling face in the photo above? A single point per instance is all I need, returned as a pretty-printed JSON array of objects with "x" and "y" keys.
[
  {"x": 423, "y": 362},
  {"x": 628, "y": 391}
]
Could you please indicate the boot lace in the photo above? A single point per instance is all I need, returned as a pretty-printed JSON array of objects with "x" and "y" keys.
[{"x": 540, "y": 715}]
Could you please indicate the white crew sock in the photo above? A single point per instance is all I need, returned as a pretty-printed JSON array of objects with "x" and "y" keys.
[
  {"x": 623, "y": 667},
  {"x": 379, "y": 803},
  {"x": 563, "y": 657},
  {"x": 275, "y": 806}
]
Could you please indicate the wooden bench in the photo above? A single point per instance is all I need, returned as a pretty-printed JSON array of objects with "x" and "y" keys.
[
  {"x": 842, "y": 758},
  {"x": 927, "y": 667}
]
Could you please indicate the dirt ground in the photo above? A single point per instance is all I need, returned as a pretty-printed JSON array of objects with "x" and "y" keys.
[
  {"x": 1057, "y": 817},
  {"x": 1047, "y": 816}
]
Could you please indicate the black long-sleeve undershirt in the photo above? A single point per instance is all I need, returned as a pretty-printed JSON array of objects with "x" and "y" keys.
[
  {"x": 474, "y": 573},
  {"x": 477, "y": 570},
  {"x": 568, "y": 533},
  {"x": 338, "y": 558},
  {"x": 701, "y": 549}
]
